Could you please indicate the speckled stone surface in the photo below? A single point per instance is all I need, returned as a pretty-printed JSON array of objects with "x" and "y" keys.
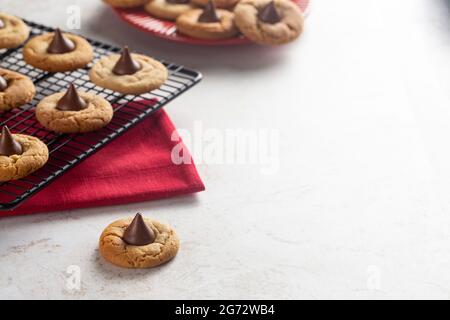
[{"x": 359, "y": 207}]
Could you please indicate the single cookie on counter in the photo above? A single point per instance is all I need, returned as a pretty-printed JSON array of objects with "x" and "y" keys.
[
  {"x": 138, "y": 243},
  {"x": 74, "y": 111},
  {"x": 128, "y": 73},
  {"x": 15, "y": 90},
  {"x": 223, "y": 4},
  {"x": 208, "y": 23},
  {"x": 126, "y": 3},
  {"x": 13, "y": 31},
  {"x": 58, "y": 52},
  {"x": 269, "y": 22},
  {"x": 20, "y": 155},
  {"x": 168, "y": 9}
]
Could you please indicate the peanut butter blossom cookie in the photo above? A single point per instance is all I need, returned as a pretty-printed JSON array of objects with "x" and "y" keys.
[
  {"x": 126, "y": 3},
  {"x": 225, "y": 4},
  {"x": 128, "y": 73},
  {"x": 208, "y": 23},
  {"x": 168, "y": 9},
  {"x": 58, "y": 52},
  {"x": 269, "y": 22},
  {"x": 138, "y": 243},
  {"x": 73, "y": 111},
  {"x": 15, "y": 90},
  {"x": 13, "y": 31},
  {"x": 20, "y": 155}
]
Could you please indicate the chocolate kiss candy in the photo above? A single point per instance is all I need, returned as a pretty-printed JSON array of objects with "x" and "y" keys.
[
  {"x": 209, "y": 14},
  {"x": 177, "y": 1},
  {"x": 71, "y": 101},
  {"x": 8, "y": 145},
  {"x": 269, "y": 14},
  {"x": 126, "y": 65},
  {"x": 138, "y": 233},
  {"x": 2, "y": 24},
  {"x": 3, "y": 84},
  {"x": 60, "y": 44}
]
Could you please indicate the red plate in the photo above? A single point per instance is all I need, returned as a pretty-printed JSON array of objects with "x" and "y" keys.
[{"x": 140, "y": 19}]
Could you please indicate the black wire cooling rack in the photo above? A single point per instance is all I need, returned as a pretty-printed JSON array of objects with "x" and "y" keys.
[{"x": 67, "y": 150}]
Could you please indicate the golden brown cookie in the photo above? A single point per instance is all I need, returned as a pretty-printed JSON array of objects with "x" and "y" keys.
[
  {"x": 168, "y": 9},
  {"x": 151, "y": 75},
  {"x": 13, "y": 31},
  {"x": 289, "y": 27},
  {"x": 19, "y": 90},
  {"x": 224, "y": 4},
  {"x": 126, "y": 3},
  {"x": 36, "y": 53},
  {"x": 96, "y": 113},
  {"x": 188, "y": 23},
  {"x": 32, "y": 156},
  {"x": 116, "y": 250}
]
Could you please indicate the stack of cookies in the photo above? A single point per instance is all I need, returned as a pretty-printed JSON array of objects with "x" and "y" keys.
[
  {"x": 71, "y": 111},
  {"x": 270, "y": 22}
]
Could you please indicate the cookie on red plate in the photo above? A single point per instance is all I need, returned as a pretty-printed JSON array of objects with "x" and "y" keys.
[
  {"x": 168, "y": 9},
  {"x": 268, "y": 21},
  {"x": 126, "y": 3},
  {"x": 208, "y": 23}
]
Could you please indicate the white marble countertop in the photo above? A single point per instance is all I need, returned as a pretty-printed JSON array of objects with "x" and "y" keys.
[{"x": 359, "y": 205}]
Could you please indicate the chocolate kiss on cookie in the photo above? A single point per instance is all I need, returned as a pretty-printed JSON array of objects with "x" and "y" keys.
[
  {"x": 3, "y": 84},
  {"x": 138, "y": 233},
  {"x": 126, "y": 65},
  {"x": 269, "y": 14},
  {"x": 8, "y": 145},
  {"x": 209, "y": 14},
  {"x": 177, "y": 1},
  {"x": 60, "y": 44},
  {"x": 71, "y": 101}
]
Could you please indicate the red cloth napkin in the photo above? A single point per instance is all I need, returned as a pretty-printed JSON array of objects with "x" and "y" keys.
[{"x": 135, "y": 167}]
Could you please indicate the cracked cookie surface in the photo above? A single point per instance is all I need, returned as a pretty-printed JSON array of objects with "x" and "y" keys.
[
  {"x": 166, "y": 10},
  {"x": 288, "y": 29},
  {"x": 34, "y": 156},
  {"x": 188, "y": 24},
  {"x": 14, "y": 32},
  {"x": 119, "y": 253},
  {"x": 151, "y": 76},
  {"x": 20, "y": 90},
  {"x": 97, "y": 114},
  {"x": 126, "y": 3},
  {"x": 35, "y": 53}
]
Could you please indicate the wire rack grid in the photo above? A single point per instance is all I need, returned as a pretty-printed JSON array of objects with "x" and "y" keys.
[{"x": 67, "y": 150}]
